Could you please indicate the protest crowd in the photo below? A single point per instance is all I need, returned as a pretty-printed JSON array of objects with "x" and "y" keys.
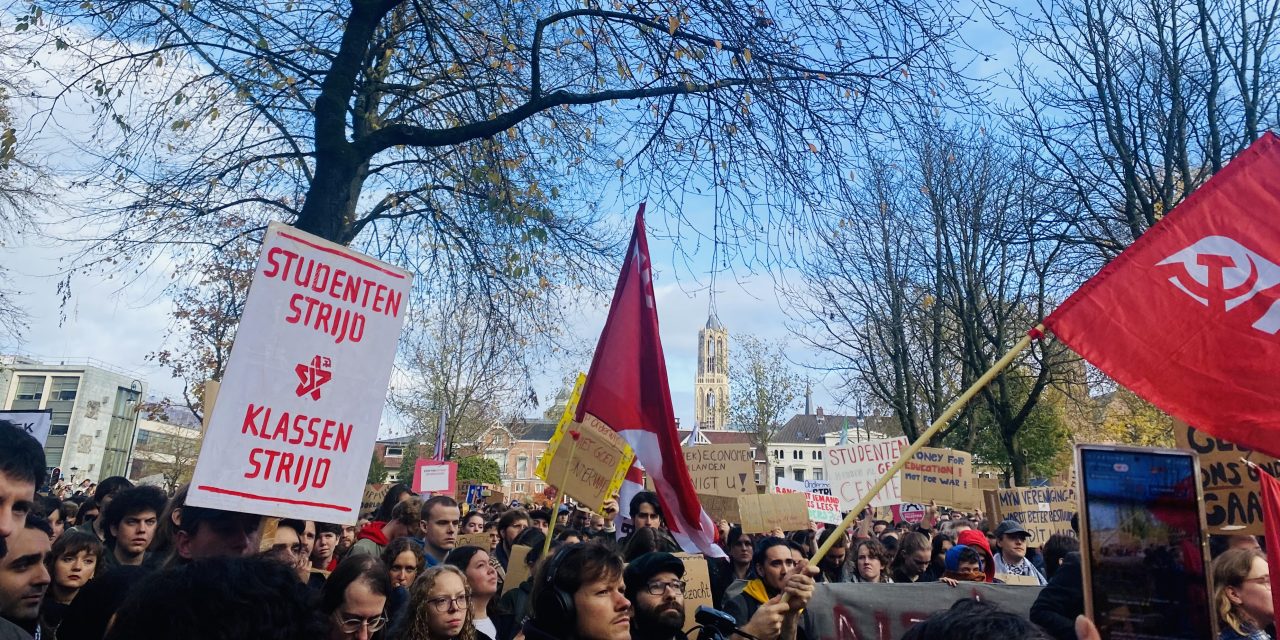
[{"x": 119, "y": 561}]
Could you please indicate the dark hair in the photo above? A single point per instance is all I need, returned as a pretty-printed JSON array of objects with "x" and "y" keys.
[
  {"x": 460, "y": 557},
  {"x": 131, "y": 501},
  {"x": 647, "y": 540},
  {"x": 565, "y": 534},
  {"x": 511, "y": 517},
  {"x": 911, "y": 543},
  {"x": 46, "y": 505},
  {"x": 937, "y": 557},
  {"x": 735, "y": 532},
  {"x": 85, "y": 508},
  {"x": 109, "y": 486},
  {"x": 474, "y": 514},
  {"x": 1055, "y": 551},
  {"x": 540, "y": 514},
  {"x": 877, "y": 550},
  {"x": 299, "y": 526},
  {"x": 72, "y": 543},
  {"x": 328, "y": 527},
  {"x": 357, "y": 568},
  {"x": 437, "y": 501},
  {"x": 40, "y": 524},
  {"x": 645, "y": 497},
  {"x": 575, "y": 565},
  {"x": 971, "y": 619},
  {"x": 802, "y": 538},
  {"x": 21, "y": 456},
  {"x": 890, "y": 543},
  {"x": 399, "y": 546},
  {"x": 383, "y": 512},
  {"x": 763, "y": 545},
  {"x": 192, "y": 601}
]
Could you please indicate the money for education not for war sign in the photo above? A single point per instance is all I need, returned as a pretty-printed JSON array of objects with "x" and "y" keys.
[
  {"x": 853, "y": 468},
  {"x": 1232, "y": 497},
  {"x": 300, "y": 402},
  {"x": 941, "y": 475}
]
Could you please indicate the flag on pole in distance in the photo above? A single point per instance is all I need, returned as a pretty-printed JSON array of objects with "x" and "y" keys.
[
  {"x": 441, "y": 425},
  {"x": 1188, "y": 317},
  {"x": 1271, "y": 522},
  {"x": 627, "y": 390}
]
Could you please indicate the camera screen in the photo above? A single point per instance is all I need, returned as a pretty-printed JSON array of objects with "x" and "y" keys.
[{"x": 1146, "y": 547}]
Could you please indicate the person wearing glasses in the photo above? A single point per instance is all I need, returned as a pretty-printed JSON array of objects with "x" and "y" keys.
[
  {"x": 354, "y": 599},
  {"x": 1242, "y": 595},
  {"x": 439, "y": 607},
  {"x": 655, "y": 586}
]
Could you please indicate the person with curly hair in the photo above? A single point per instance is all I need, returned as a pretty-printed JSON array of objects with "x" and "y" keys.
[
  {"x": 869, "y": 562},
  {"x": 404, "y": 560},
  {"x": 439, "y": 607}
]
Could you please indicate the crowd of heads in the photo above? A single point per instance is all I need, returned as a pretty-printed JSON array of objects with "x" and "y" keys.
[{"x": 114, "y": 560}]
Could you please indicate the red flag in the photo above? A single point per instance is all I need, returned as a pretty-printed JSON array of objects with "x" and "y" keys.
[
  {"x": 627, "y": 390},
  {"x": 1188, "y": 317},
  {"x": 1271, "y": 520}
]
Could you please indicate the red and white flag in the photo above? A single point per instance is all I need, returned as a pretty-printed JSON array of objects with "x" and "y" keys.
[
  {"x": 1188, "y": 317},
  {"x": 627, "y": 390}
]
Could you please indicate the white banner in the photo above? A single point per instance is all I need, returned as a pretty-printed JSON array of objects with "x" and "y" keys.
[
  {"x": 298, "y": 412},
  {"x": 823, "y": 507},
  {"x": 853, "y": 468},
  {"x": 36, "y": 422}
]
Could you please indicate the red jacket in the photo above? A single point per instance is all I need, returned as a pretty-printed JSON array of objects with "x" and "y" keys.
[{"x": 373, "y": 531}]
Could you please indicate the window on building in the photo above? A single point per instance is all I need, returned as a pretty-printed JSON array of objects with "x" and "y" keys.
[
  {"x": 817, "y": 474},
  {"x": 501, "y": 460},
  {"x": 522, "y": 467},
  {"x": 777, "y": 454},
  {"x": 395, "y": 451},
  {"x": 799, "y": 472},
  {"x": 519, "y": 487},
  {"x": 781, "y": 473},
  {"x": 62, "y": 399},
  {"x": 797, "y": 455},
  {"x": 30, "y": 392},
  {"x": 758, "y": 478}
]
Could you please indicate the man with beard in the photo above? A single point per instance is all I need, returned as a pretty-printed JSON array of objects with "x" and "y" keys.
[{"x": 655, "y": 587}]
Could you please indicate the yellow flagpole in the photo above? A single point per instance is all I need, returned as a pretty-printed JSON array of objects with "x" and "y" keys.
[{"x": 910, "y": 451}]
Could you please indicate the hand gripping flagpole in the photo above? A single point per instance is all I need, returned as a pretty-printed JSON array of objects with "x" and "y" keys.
[{"x": 910, "y": 452}]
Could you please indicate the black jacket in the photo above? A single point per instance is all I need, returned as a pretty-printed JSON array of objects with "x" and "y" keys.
[{"x": 1061, "y": 600}]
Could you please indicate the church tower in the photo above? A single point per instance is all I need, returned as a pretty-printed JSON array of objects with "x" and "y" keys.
[{"x": 711, "y": 386}]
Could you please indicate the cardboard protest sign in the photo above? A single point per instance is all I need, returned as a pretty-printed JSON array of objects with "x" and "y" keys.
[
  {"x": 566, "y": 417},
  {"x": 589, "y": 468},
  {"x": 697, "y": 586},
  {"x": 434, "y": 476},
  {"x": 373, "y": 496},
  {"x": 293, "y": 430},
  {"x": 36, "y": 423},
  {"x": 941, "y": 475},
  {"x": 1024, "y": 581},
  {"x": 211, "y": 388},
  {"x": 473, "y": 540},
  {"x": 721, "y": 469},
  {"x": 822, "y": 507},
  {"x": 1232, "y": 499},
  {"x": 495, "y": 497},
  {"x": 758, "y": 513},
  {"x": 866, "y": 610},
  {"x": 1043, "y": 511},
  {"x": 853, "y": 468},
  {"x": 517, "y": 570}
]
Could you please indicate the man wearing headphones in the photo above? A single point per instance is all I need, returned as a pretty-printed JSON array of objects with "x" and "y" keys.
[
  {"x": 578, "y": 595},
  {"x": 655, "y": 587}
]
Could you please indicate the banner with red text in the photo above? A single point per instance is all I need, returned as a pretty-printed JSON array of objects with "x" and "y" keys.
[{"x": 298, "y": 412}]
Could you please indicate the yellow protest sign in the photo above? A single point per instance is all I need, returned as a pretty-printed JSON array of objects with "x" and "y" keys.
[
  {"x": 566, "y": 417},
  {"x": 590, "y": 464}
]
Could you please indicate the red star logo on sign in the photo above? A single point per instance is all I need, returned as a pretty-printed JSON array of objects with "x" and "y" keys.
[{"x": 313, "y": 376}]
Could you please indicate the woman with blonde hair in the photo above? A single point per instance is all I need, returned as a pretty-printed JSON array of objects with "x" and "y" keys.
[
  {"x": 439, "y": 607},
  {"x": 1242, "y": 595}
]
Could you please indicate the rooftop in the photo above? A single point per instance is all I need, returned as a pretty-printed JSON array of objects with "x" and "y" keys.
[{"x": 812, "y": 428}]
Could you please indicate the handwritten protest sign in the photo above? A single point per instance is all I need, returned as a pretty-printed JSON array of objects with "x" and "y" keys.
[
  {"x": 721, "y": 469},
  {"x": 1232, "y": 499},
  {"x": 35, "y": 423},
  {"x": 853, "y": 468},
  {"x": 517, "y": 570},
  {"x": 373, "y": 496},
  {"x": 1043, "y": 511},
  {"x": 293, "y": 430},
  {"x": 697, "y": 586},
  {"x": 592, "y": 466},
  {"x": 941, "y": 475},
  {"x": 473, "y": 540},
  {"x": 759, "y": 513},
  {"x": 822, "y": 507},
  {"x": 434, "y": 476},
  {"x": 557, "y": 436}
]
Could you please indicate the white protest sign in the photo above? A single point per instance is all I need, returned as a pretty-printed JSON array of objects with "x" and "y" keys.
[
  {"x": 35, "y": 423},
  {"x": 431, "y": 476},
  {"x": 300, "y": 402},
  {"x": 853, "y": 468},
  {"x": 823, "y": 507}
]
